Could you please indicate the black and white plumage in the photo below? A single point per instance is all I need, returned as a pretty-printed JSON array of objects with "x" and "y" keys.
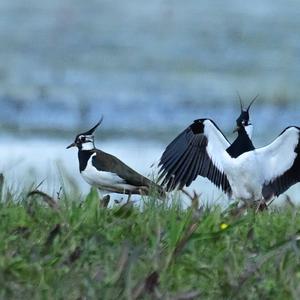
[
  {"x": 186, "y": 157},
  {"x": 280, "y": 162},
  {"x": 106, "y": 171},
  {"x": 243, "y": 142},
  {"x": 253, "y": 175}
]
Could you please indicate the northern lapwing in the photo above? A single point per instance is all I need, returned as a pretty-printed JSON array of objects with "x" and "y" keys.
[
  {"x": 106, "y": 171},
  {"x": 256, "y": 174},
  {"x": 198, "y": 150}
]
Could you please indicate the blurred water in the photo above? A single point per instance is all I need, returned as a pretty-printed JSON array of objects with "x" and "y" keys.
[
  {"x": 147, "y": 65},
  {"x": 150, "y": 67}
]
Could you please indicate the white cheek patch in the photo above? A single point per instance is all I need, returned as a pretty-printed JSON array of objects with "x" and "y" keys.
[{"x": 87, "y": 146}]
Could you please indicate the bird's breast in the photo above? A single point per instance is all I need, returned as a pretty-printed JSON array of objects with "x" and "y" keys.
[
  {"x": 93, "y": 176},
  {"x": 245, "y": 176}
]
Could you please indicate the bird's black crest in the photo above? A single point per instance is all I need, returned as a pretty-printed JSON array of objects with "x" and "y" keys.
[
  {"x": 244, "y": 116},
  {"x": 92, "y": 130}
]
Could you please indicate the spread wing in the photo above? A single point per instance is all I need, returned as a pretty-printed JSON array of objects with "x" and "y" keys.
[
  {"x": 198, "y": 150},
  {"x": 280, "y": 162}
]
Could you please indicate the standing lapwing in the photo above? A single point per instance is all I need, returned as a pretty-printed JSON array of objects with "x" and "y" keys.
[
  {"x": 187, "y": 155},
  {"x": 107, "y": 172},
  {"x": 257, "y": 174}
]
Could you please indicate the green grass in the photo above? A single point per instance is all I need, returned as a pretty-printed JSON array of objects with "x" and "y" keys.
[{"x": 79, "y": 249}]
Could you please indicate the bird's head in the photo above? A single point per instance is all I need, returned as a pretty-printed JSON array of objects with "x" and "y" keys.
[
  {"x": 243, "y": 121},
  {"x": 85, "y": 140}
]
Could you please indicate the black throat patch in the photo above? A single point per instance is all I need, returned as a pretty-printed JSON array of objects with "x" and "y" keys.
[
  {"x": 241, "y": 145},
  {"x": 83, "y": 157}
]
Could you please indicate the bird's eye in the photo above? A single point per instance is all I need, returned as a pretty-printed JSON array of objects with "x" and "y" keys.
[{"x": 83, "y": 139}]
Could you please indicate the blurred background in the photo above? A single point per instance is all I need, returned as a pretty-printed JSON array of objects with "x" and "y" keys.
[{"x": 150, "y": 67}]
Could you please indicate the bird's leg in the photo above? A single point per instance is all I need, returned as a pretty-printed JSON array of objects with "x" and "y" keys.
[
  {"x": 143, "y": 191},
  {"x": 105, "y": 200},
  {"x": 261, "y": 205},
  {"x": 270, "y": 201},
  {"x": 129, "y": 197}
]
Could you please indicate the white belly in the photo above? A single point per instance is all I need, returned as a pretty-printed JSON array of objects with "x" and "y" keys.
[
  {"x": 104, "y": 180},
  {"x": 245, "y": 177},
  {"x": 100, "y": 178}
]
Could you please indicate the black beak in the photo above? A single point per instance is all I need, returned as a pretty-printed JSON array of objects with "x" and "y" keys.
[
  {"x": 71, "y": 145},
  {"x": 92, "y": 130}
]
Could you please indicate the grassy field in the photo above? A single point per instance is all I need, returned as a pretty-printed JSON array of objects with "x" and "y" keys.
[{"x": 75, "y": 248}]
